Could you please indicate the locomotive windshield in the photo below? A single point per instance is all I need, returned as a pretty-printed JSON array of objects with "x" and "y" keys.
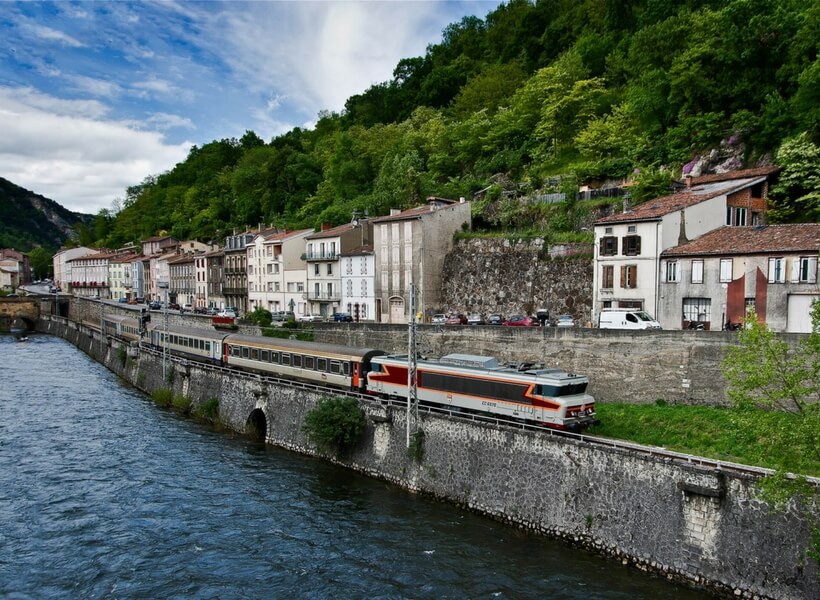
[{"x": 556, "y": 391}]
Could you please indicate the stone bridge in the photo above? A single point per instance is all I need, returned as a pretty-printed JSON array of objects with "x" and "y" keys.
[{"x": 19, "y": 312}]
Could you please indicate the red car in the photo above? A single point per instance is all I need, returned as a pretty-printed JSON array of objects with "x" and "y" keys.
[
  {"x": 521, "y": 321},
  {"x": 456, "y": 319}
]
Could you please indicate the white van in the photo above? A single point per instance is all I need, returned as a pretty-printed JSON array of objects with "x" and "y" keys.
[{"x": 623, "y": 318}]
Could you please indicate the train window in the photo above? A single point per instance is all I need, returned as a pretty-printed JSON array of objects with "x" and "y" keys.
[
  {"x": 207, "y": 346},
  {"x": 335, "y": 366},
  {"x": 254, "y": 353},
  {"x": 285, "y": 359},
  {"x": 297, "y": 360},
  {"x": 499, "y": 390},
  {"x": 308, "y": 362},
  {"x": 561, "y": 390},
  {"x": 321, "y": 364},
  {"x": 264, "y": 356},
  {"x": 346, "y": 367},
  {"x": 246, "y": 352},
  {"x": 274, "y": 357}
]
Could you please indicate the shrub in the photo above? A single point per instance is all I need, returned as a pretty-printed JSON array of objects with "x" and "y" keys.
[
  {"x": 163, "y": 396},
  {"x": 181, "y": 404},
  {"x": 416, "y": 449},
  {"x": 208, "y": 410},
  {"x": 335, "y": 426}
]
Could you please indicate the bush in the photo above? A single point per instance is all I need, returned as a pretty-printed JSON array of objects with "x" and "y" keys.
[
  {"x": 181, "y": 404},
  {"x": 335, "y": 426},
  {"x": 163, "y": 396},
  {"x": 260, "y": 316},
  {"x": 208, "y": 410}
]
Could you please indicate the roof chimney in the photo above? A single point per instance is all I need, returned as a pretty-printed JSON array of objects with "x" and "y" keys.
[
  {"x": 627, "y": 204},
  {"x": 688, "y": 181},
  {"x": 394, "y": 211},
  {"x": 682, "y": 239}
]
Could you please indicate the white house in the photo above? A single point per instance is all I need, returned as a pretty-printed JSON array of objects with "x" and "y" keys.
[
  {"x": 358, "y": 272},
  {"x": 62, "y": 265},
  {"x": 628, "y": 245},
  {"x": 269, "y": 257}
]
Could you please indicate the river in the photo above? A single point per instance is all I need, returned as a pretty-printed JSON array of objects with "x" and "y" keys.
[{"x": 103, "y": 495}]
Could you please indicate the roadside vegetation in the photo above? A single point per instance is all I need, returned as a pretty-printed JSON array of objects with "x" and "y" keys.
[{"x": 335, "y": 426}]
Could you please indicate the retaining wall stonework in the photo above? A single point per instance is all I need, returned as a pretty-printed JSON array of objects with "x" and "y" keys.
[{"x": 694, "y": 523}]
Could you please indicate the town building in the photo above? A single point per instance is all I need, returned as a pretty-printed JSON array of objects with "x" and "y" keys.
[
  {"x": 628, "y": 245},
  {"x": 358, "y": 271},
  {"x": 62, "y": 265},
  {"x": 159, "y": 244},
  {"x": 182, "y": 278},
  {"x": 410, "y": 247},
  {"x": 120, "y": 276},
  {"x": 91, "y": 274},
  {"x": 322, "y": 253},
  {"x": 719, "y": 277},
  {"x": 235, "y": 284},
  {"x": 23, "y": 267},
  {"x": 274, "y": 260},
  {"x": 209, "y": 274}
]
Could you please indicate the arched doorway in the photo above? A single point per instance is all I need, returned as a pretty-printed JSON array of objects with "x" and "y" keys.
[{"x": 257, "y": 425}]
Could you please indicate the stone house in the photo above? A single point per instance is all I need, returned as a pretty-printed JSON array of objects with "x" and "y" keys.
[
  {"x": 182, "y": 278},
  {"x": 628, "y": 245},
  {"x": 23, "y": 270},
  {"x": 716, "y": 278},
  {"x": 410, "y": 247},
  {"x": 61, "y": 263}
]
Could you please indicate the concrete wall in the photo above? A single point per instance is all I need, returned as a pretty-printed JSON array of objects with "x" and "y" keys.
[{"x": 698, "y": 524}]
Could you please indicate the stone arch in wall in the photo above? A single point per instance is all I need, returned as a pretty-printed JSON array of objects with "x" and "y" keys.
[{"x": 257, "y": 425}]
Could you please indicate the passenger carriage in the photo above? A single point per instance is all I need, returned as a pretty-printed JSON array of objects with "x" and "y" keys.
[
  {"x": 329, "y": 364},
  {"x": 478, "y": 383},
  {"x": 191, "y": 342},
  {"x": 122, "y": 327}
]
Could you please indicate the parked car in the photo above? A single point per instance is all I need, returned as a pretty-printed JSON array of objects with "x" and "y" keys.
[
  {"x": 521, "y": 321},
  {"x": 474, "y": 319},
  {"x": 342, "y": 317},
  {"x": 280, "y": 316},
  {"x": 614, "y": 318},
  {"x": 155, "y": 305},
  {"x": 173, "y": 306},
  {"x": 123, "y": 301},
  {"x": 456, "y": 319},
  {"x": 565, "y": 321},
  {"x": 311, "y": 318},
  {"x": 495, "y": 319},
  {"x": 226, "y": 312},
  {"x": 439, "y": 319},
  {"x": 187, "y": 307}
]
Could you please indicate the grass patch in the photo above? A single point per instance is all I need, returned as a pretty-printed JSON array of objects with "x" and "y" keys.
[
  {"x": 718, "y": 433},
  {"x": 181, "y": 404},
  {"x": 163, "y": 396},
  {"x": 208, "y": 410}
]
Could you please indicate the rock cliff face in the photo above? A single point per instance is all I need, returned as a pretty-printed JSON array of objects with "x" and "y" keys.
[{"x": 511, "y": 276}]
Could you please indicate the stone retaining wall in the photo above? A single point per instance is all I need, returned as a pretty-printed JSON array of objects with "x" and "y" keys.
[{"x": 698, "y": 524}]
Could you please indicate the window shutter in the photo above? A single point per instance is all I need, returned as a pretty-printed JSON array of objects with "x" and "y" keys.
[
  {"x": 664, "y": 270},
  {"x": 812, "y": 274},
  {"x": 795, "y": 277},
  {"x": 634, "y": 279},
  {"x": 623, "y": 276},
  {"x": 601, "y": 245},
  {"x": 771, "y": 270}
]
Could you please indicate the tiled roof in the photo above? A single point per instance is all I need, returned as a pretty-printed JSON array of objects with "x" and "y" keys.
[
  {"x": 281, "y": 236},
  {"x": 359, "y": 251},
  {"x": 765, "y": 239},
  {"x": 701, "y": 189},
  {"x": 412, "y": 213}
]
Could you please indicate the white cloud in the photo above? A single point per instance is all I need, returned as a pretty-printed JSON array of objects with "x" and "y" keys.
[
  {"x": 82, "y": 162},
  {"x": 96, "y": 87},
  {"x": 53, "y": 35},
  {"x": 163, "y": 121}
]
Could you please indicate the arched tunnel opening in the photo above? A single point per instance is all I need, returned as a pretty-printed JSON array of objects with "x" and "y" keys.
[{"x": 256, "y": 426}]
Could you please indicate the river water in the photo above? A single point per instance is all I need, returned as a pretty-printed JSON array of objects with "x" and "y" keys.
[{"x": 103, "y": 495}]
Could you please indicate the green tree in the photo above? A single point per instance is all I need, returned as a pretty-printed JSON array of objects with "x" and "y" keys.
[
  {"x": 796, "y": 195},
  {"x": 41, "y": 262},
  {"x": 260, "y": 316},
  {"x": 335, "y": 425}
]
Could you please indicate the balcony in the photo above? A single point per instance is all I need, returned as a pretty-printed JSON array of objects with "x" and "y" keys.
[
  {"x": 323, "y": 296},
  {"x": 237, "y": 291},
  {"x": 308, "y": 256}
]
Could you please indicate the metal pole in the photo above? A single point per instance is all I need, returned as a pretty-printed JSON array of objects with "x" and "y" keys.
[
  {"x": 412, "y": 389},
  {"x": 165, "y": 338},
  {"x": 102, "y": 330}
]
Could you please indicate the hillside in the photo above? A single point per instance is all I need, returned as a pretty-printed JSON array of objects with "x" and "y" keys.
[
  {"x": 28, "y": 220},
  {"x": 536, "y": 99}
]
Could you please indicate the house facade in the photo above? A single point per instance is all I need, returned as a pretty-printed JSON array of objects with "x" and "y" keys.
[
  {"x": 410, "y": 247},
  {"x": 358, "y": 272},
  {"x": 61, "y": 263},
  {"x": 9, "y": 255},
  {"x": 235, "y": 270},
  {"x": 182, "y": 279},
  {"x": 271, "y": 259},
  {"x": 719, "y": 277},
  {"x": 322, "y": 257},
  {"x": 628, "y": 245}
]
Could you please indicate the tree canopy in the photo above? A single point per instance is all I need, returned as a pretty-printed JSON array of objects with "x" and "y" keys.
[{"x": 585, "y": 89}]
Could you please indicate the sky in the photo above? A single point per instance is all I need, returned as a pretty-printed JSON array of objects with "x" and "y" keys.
[{"x": 97, "y": 96}]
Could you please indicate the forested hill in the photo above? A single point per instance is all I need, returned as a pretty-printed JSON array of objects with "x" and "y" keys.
[
  {"x": 28, "y": 220},
  {"x": 538, "y": 96}
]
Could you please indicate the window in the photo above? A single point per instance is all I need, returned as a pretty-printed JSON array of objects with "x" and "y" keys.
[
  {"x": 632, "y": 245},
  {"x": 740, "y": 217},
  {"x": 608, "y": 246},
  {"x": 672, "y": 274},
  {"x": 728, "y": 215},
  {"x": 777, "y": 270},
  {"x": 608, "y": 277},
  {"x": 330, "y": 268},
  {"x": 697, "y": 309},
  {"x": 697, "y": 271},
  {"x": 629, "y": 276},
  {"x": 806, "y": 267},
  {"x": 316, "y": 269},
  {"x": 725, "y": 270}
]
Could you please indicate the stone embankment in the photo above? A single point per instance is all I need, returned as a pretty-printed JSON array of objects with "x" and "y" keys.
[{"x": 685, "y": 519}]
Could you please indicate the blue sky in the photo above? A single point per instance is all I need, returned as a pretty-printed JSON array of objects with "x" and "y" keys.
[{"x": 96, "y": 96}]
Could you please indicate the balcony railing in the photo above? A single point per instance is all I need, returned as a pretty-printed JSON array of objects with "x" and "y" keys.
[
  {"x": 320, "y": 256},
  {"x": 323, "y": 296}
]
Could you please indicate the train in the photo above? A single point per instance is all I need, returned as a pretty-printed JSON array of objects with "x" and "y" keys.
[{"x": 524, "y": 392}]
